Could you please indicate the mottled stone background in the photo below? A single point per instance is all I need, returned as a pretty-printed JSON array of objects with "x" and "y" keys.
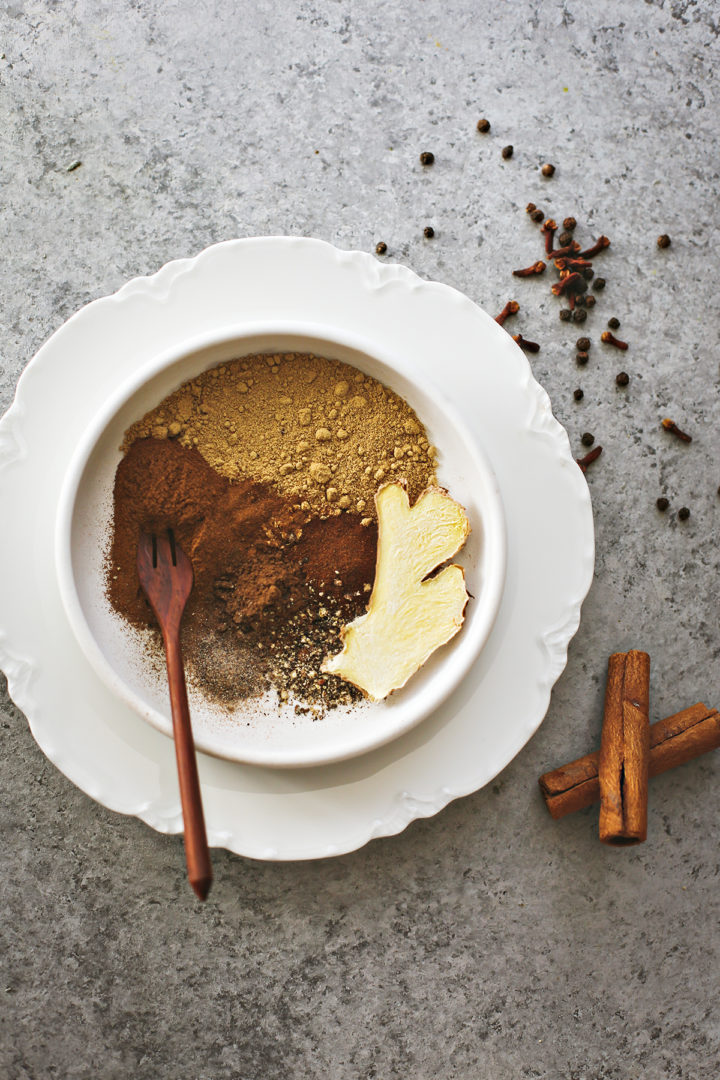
[{"x": 489, "y": 941}]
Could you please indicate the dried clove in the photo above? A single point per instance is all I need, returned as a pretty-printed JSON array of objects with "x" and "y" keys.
[
  {"x": 593, "y": 455},
  {"x": 672, "y": 427},
  {"x": 610, "y": 339},
  {"x": 528, "y": 346},
  {"x": 536, "y": 268},
  {"x": 511, "y": 308}
]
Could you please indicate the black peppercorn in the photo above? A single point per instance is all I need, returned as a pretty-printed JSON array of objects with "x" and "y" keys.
[
  {"x": 587, "y": 439},
  {"x": 381, "y": 248},
  {"x": 582, "y": 358},
  {"x": 579, "y": 315},
  {"x": 683, "y": 513},
  {"x": 548, "y": 170},
  {"x": 580, "y": 301},
  {"x": 428, "y": 232},
  {"x": 622, "y": 378},
  {"x": 507, "y": 152},
  {"x": 588, "y": 273},
  {"x": 599, "y": 283},
  {"x": 578, "y": 394},
  {"x": 537, "y": 215},
  {"x": 565, "y": 314},
  {"x": 662, "y": 503},
  {"x": 564, "y": 239},
  {"x": 613, "y": 323},
  {"x": 583, "y": 344},
  {"x": 427, "y": 158},
  {"x": 483, "y": 125},
  {"x": 663, "y": 242},
  {"x": 569, "y": 223},
  {"x": 589, "y": 301}
]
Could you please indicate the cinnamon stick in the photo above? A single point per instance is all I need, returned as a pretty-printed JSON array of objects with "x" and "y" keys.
[
  {"x": 623, "y": 763},
  {"x": 673, "y": 741}
]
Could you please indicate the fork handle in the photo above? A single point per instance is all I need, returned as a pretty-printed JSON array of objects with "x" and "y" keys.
[{"x": 197, "y": 855}]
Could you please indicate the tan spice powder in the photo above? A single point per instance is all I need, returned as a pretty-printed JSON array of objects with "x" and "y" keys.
[{"x": 318, "y": 430}]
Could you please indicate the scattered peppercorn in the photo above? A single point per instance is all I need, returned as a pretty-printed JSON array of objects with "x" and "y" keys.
[
  {"x": 381, "y": 248},
  {"x": 578, "y": 394},
  {"x": 548, "y": 170},
  {"x": 683, "y": 512},
  {"x": 565, "y": 314},
  {"x": 622, "y": 378},
  {"x": 569, "y": 223},
  {"x": 483, "y": 125},
  {"x": 428, "y": 232},
  {"x": 427, "y": 158},
  {"x": 579, "y": 315},
  {"x": 507, "y": 152},
  {"x": 588, "y": 273},
  {"x": 662, "y": 504},
  {"x": 582, "y": 358},
  {"x": 663, "y": 242},
  {"x": 599, "y": 283},
  {"x": 589, "y": 301},
  {"x": 564, "y": 239},
  {"x": 672, "y": 427},
  {"x": 613, "y": 323},
  {"x": 587, "y": 439},
  {"x": 583, "y": 344},
  {"x": 530, "y": 207},
  {"x": 537, "y": 215}
]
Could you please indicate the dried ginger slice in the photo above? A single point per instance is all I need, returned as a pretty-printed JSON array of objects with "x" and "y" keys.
[{"x": 408, "y": 617}]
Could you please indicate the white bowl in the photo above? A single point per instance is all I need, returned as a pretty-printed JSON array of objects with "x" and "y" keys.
[{"x": 258, "y": 732}]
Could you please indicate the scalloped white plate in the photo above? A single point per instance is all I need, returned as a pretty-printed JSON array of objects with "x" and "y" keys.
[{"x": 114, "y": 755}]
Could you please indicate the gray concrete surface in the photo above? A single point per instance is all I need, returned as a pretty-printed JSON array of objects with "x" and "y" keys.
[{"x": 490, "y": 941}]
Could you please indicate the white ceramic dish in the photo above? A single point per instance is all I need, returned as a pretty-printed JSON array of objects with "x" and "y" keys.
[
  {"x": 260, "y": 731},
  {"x": 123, "y": 762}
]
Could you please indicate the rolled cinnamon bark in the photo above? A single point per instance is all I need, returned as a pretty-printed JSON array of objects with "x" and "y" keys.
[
  {"x": 624, "y": 761},
  {"x": 673, "y": 741}
]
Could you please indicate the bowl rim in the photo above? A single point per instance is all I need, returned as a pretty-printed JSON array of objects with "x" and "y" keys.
[{"x": 494, "y": 534}]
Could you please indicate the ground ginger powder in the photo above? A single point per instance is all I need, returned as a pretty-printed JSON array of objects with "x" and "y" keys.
[{"x": 318, "y": 430}]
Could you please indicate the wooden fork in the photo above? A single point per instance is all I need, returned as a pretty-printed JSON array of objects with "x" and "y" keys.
[{"x": 166, "y": 576}]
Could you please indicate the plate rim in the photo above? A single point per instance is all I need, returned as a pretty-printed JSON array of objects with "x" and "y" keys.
[{"x": 22, "y": 674}]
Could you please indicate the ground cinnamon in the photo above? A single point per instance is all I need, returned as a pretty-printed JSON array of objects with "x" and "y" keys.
[{"x": 272, "y": 582}]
